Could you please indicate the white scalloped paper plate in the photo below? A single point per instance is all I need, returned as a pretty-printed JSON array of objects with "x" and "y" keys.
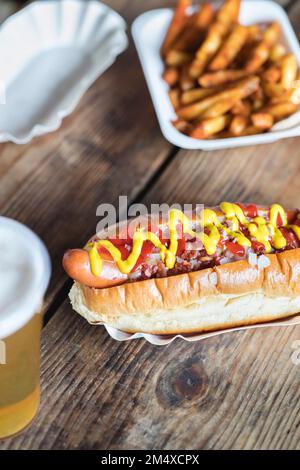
[
  {"x": 164, "y": 340},
  {"x": 50, "y": 53}
]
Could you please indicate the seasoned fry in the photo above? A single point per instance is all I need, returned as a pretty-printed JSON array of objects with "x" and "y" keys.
[
  {"x": 231, "y": 47},
  {"x": 261, "y": 52},
  {"x": 229, "y": 12},
  {"x": 262, "y": 120},
  {"x": 174, "y": 96},
  {"x": 221, "y": 107},
  {"x": 209, "y": 127},
  {"x": 241, "y": 108},
  {"x": 221, "y": 77},
  {"x": 273, "y": 90},
  {"x": 171, "y": 76},
  {"x": 208, "y": 48},
  {"x": 177, "y": 58},
  {"x": 238, "y": 125},
  {"x": 292, "y": 95},
  {"x": 288, "y": 71},
  {"x": 271, "y": 75},
  {"x": 250, "y": 130},
  {"x": 176, "y": 25},
  {"x": 182, "y": 126},
  {"x": 254, "y": 33},
  {"x": 280, "y": 110},
  {"x": 197, "y": 94},
  {"x": 190, "y": 37},
  {"x": 185, "y": 81},
  {"x": 244, "y": 89}
]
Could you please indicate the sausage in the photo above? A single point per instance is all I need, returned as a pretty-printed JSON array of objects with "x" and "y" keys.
[{"x": 76, "y": 263}]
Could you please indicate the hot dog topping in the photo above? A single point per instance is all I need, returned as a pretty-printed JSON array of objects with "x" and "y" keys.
[{"x": 234, "y": 230}]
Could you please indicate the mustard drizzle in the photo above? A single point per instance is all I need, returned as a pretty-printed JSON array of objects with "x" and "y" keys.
[{"x": 258, "y": 228}]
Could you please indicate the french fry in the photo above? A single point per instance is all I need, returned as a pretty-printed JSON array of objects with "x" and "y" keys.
[
  {"x": 261, "y": 52},
  {"x": 230, "y": 48},
  {"x": 229, "y": 12},
  {"x": 177, "y": 23},
  {"x": 208, "y": 48},
  {"x": 254, "y": 33},
  {"x": 238, "y": 125},
  {"x": 190, "y": 37},
  {"x": 174, "y": 96},
  {"x": 258, "y": 98},
  {"x": 171, "y": 76},
  {"x": 271, "y": 34},
  {"x": 220, "y": 108},
  {"x": 277, "y": 52},
  {"x": 272, "y": 90},
  {"x": 262, "y": 120},
  {"x": 221, "y": 77},
  {"x": 185, "y": 80},
  {"x": 209, "y": 127},
  {"x": 288, "y": 71},
  {"x": 271, "y": 75},
  {"x": 280, "y": 110},
  {"x": 177, "y": 58},
  {"x": 295, "y": 95},
  {"x": 197, "y": 94},
  {"x": 241, "y": 108},
  {"x": 292, "y": 95},
  {"x": 257, "y": 104},
  {"x": 245, "y": 88}
]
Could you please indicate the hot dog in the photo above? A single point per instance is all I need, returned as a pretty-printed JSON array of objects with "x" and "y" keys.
[{"x": 155, "y": 277}]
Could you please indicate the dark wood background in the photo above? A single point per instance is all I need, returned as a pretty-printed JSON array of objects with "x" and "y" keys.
[{"x": 235, "y": 391}]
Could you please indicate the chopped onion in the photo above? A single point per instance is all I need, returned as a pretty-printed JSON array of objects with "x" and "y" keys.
[{"x": 224, "y": 260}]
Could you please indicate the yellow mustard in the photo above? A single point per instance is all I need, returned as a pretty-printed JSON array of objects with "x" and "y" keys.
[{"x": 258, "y": 227}]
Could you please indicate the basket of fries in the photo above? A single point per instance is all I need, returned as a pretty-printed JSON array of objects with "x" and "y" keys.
[{"x": 221, "y": 75}]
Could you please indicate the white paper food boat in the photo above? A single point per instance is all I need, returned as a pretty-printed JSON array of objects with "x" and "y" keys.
[{"x": 50, "y": 54}]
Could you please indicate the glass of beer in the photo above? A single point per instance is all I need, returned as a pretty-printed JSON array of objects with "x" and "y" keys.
[{"x": 24, "y": 277}]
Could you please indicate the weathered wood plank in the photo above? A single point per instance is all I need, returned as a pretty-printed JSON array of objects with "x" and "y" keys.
[{"x": 261, "y": 174}]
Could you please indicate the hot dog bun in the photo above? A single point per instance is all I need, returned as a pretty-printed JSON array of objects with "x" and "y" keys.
[{"x": 225, "y": 296}]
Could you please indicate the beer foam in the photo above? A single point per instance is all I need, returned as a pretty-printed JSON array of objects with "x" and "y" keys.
[{"x": 24, "y": 275}]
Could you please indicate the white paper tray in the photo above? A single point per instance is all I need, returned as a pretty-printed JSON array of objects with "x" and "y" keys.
[
  {"x": 50, "y": 53},
  {"x": 149, "y": 30}
]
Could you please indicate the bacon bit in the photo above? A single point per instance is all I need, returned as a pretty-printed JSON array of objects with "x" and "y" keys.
[
  {"x": 250, "y": 210},
  {"x": 258, "y": 247}
]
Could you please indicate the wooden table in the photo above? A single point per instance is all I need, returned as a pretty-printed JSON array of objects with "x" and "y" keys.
[{"x": 235, "y": 391}]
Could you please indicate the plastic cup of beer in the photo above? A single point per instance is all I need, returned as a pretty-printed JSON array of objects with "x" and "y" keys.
[{"x": 24, "y": 276}]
